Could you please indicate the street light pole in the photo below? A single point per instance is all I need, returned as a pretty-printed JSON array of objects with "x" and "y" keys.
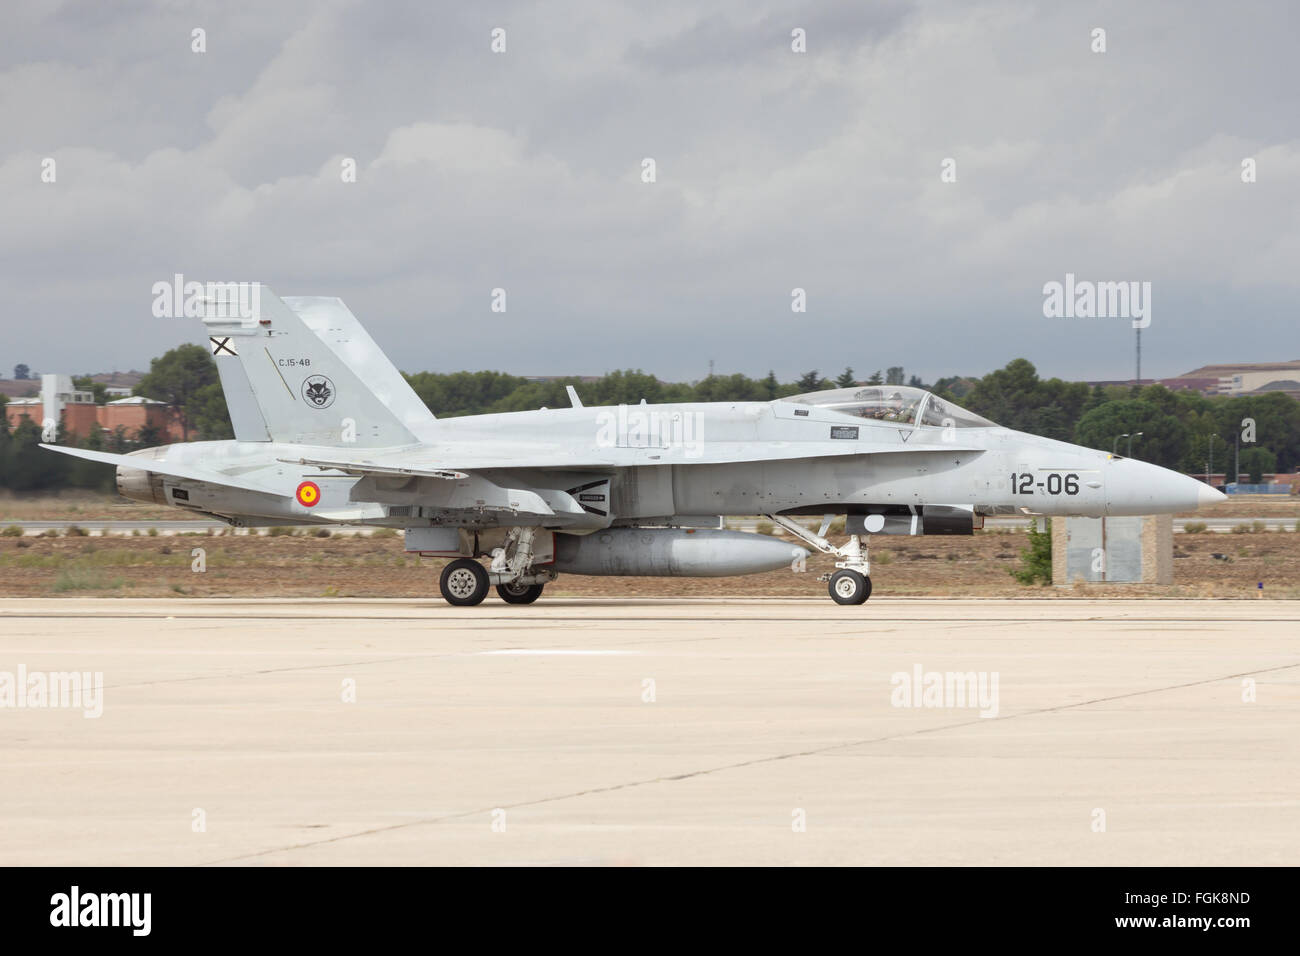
[
  {"x": 1115, "y": 444},
  {"x": 1130, "y": 442}
]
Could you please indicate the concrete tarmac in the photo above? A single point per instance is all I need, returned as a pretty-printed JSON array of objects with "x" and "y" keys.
[{"x": 627, "y": 732}]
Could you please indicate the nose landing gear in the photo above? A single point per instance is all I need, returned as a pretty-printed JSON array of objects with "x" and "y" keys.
[
  {"x": 851, "y": 584},
  {"x": 849, "y": 587}
]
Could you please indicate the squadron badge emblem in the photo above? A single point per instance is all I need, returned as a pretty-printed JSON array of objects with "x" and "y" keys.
[{"x": 318, "y": 391}]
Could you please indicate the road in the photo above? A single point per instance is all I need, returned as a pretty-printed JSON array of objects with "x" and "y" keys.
[{"x": 613, "y": 732}]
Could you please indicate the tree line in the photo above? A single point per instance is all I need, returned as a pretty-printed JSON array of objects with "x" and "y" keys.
[{"x": 1182, "y": 430}]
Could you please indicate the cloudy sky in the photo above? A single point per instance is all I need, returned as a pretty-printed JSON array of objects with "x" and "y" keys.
[{"x": 775, "y": 170}]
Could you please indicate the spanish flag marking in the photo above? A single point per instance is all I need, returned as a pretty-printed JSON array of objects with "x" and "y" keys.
[{"x": 308, "y": 494}]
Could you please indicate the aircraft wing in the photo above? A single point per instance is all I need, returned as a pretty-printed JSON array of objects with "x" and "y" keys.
[
  {"x": 163, "y": 467},
  {"x": 369, "y": 466},
  {"x": 452, "y": 463}
]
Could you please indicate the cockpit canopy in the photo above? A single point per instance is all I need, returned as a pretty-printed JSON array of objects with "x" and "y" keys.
[{"x": 898, "y": 404}]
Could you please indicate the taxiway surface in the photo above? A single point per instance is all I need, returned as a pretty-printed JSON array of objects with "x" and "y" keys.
[{"x": 580, "y": 731}]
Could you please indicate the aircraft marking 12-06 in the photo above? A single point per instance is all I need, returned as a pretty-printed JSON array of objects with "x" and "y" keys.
[{"x": 328, "y": 431}]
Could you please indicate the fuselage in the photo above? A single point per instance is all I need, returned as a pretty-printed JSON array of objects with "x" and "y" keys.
[{"x": 679, "y": 460}]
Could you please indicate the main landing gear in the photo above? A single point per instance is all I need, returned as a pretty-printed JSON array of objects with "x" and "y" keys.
[
  {"x": 465, "y": 582},
  {"x": 851, "y": 583},
  {"x": 519, "y": 593}
]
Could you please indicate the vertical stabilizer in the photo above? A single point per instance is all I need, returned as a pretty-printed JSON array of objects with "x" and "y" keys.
[{"x": 312, "y": 379}]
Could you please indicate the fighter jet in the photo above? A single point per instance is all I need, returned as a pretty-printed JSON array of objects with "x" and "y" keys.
[{"x": 327, "y": 431}]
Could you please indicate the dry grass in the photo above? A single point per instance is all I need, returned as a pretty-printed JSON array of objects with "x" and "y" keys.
[
  {"x": 80, "y": 506},
  {"x": 348, "y": 566}
]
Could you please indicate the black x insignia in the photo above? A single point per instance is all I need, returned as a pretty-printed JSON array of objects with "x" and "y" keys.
[{"x": 221, "y": 346}]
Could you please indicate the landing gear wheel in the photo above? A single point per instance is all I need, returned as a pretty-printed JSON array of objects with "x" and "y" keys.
[
  {"x": 849, "y": 587},
  {"x": 464, "y": 583},
  {"x": 520, "y": 593}
]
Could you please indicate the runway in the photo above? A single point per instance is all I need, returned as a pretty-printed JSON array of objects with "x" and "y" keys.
[{"x": 652, "y": 732}]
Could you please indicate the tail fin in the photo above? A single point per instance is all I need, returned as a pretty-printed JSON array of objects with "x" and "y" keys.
[{"x": 303, "y": 370}]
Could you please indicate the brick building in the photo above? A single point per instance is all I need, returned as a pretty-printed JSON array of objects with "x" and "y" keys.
[
  {"x": 59, "y": 400},
  {"x": 138, "y": 412}
]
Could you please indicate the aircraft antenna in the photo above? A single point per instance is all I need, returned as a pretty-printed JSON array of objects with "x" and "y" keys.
[{"x": 1138, "y": 371}]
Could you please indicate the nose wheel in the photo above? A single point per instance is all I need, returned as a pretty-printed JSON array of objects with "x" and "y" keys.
[
  {"x": 464, "y": 583},
  {"x": 849, "y": 587}
]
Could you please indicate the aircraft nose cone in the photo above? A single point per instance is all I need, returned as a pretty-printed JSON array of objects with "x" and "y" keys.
[
  {"x": 1141, "y": 488},
  {"x": 1205, "y": 495}
]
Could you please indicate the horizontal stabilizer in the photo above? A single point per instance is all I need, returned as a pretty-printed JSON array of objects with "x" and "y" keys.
[{"x": 161, "y": 467}]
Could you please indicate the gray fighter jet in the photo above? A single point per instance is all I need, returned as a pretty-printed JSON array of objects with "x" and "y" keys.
[{"x": 329, "y": 432}]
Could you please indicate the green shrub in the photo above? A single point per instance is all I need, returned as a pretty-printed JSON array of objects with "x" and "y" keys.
[
  {"x": 13, "y": 531},
  {"x": 1035, "y": 560},
  {"x": 75, "y": 531},
  {"x": 1194, "y": 527}
]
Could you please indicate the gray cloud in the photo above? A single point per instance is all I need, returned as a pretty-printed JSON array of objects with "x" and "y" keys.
[{"x": 775, "y": 170}]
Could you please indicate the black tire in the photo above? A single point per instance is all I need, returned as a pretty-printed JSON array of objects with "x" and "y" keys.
[
  {"x": 520, "y": 593},
  {"x": 849, "y": 587},
  {"x": 464, "y": 583}
]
